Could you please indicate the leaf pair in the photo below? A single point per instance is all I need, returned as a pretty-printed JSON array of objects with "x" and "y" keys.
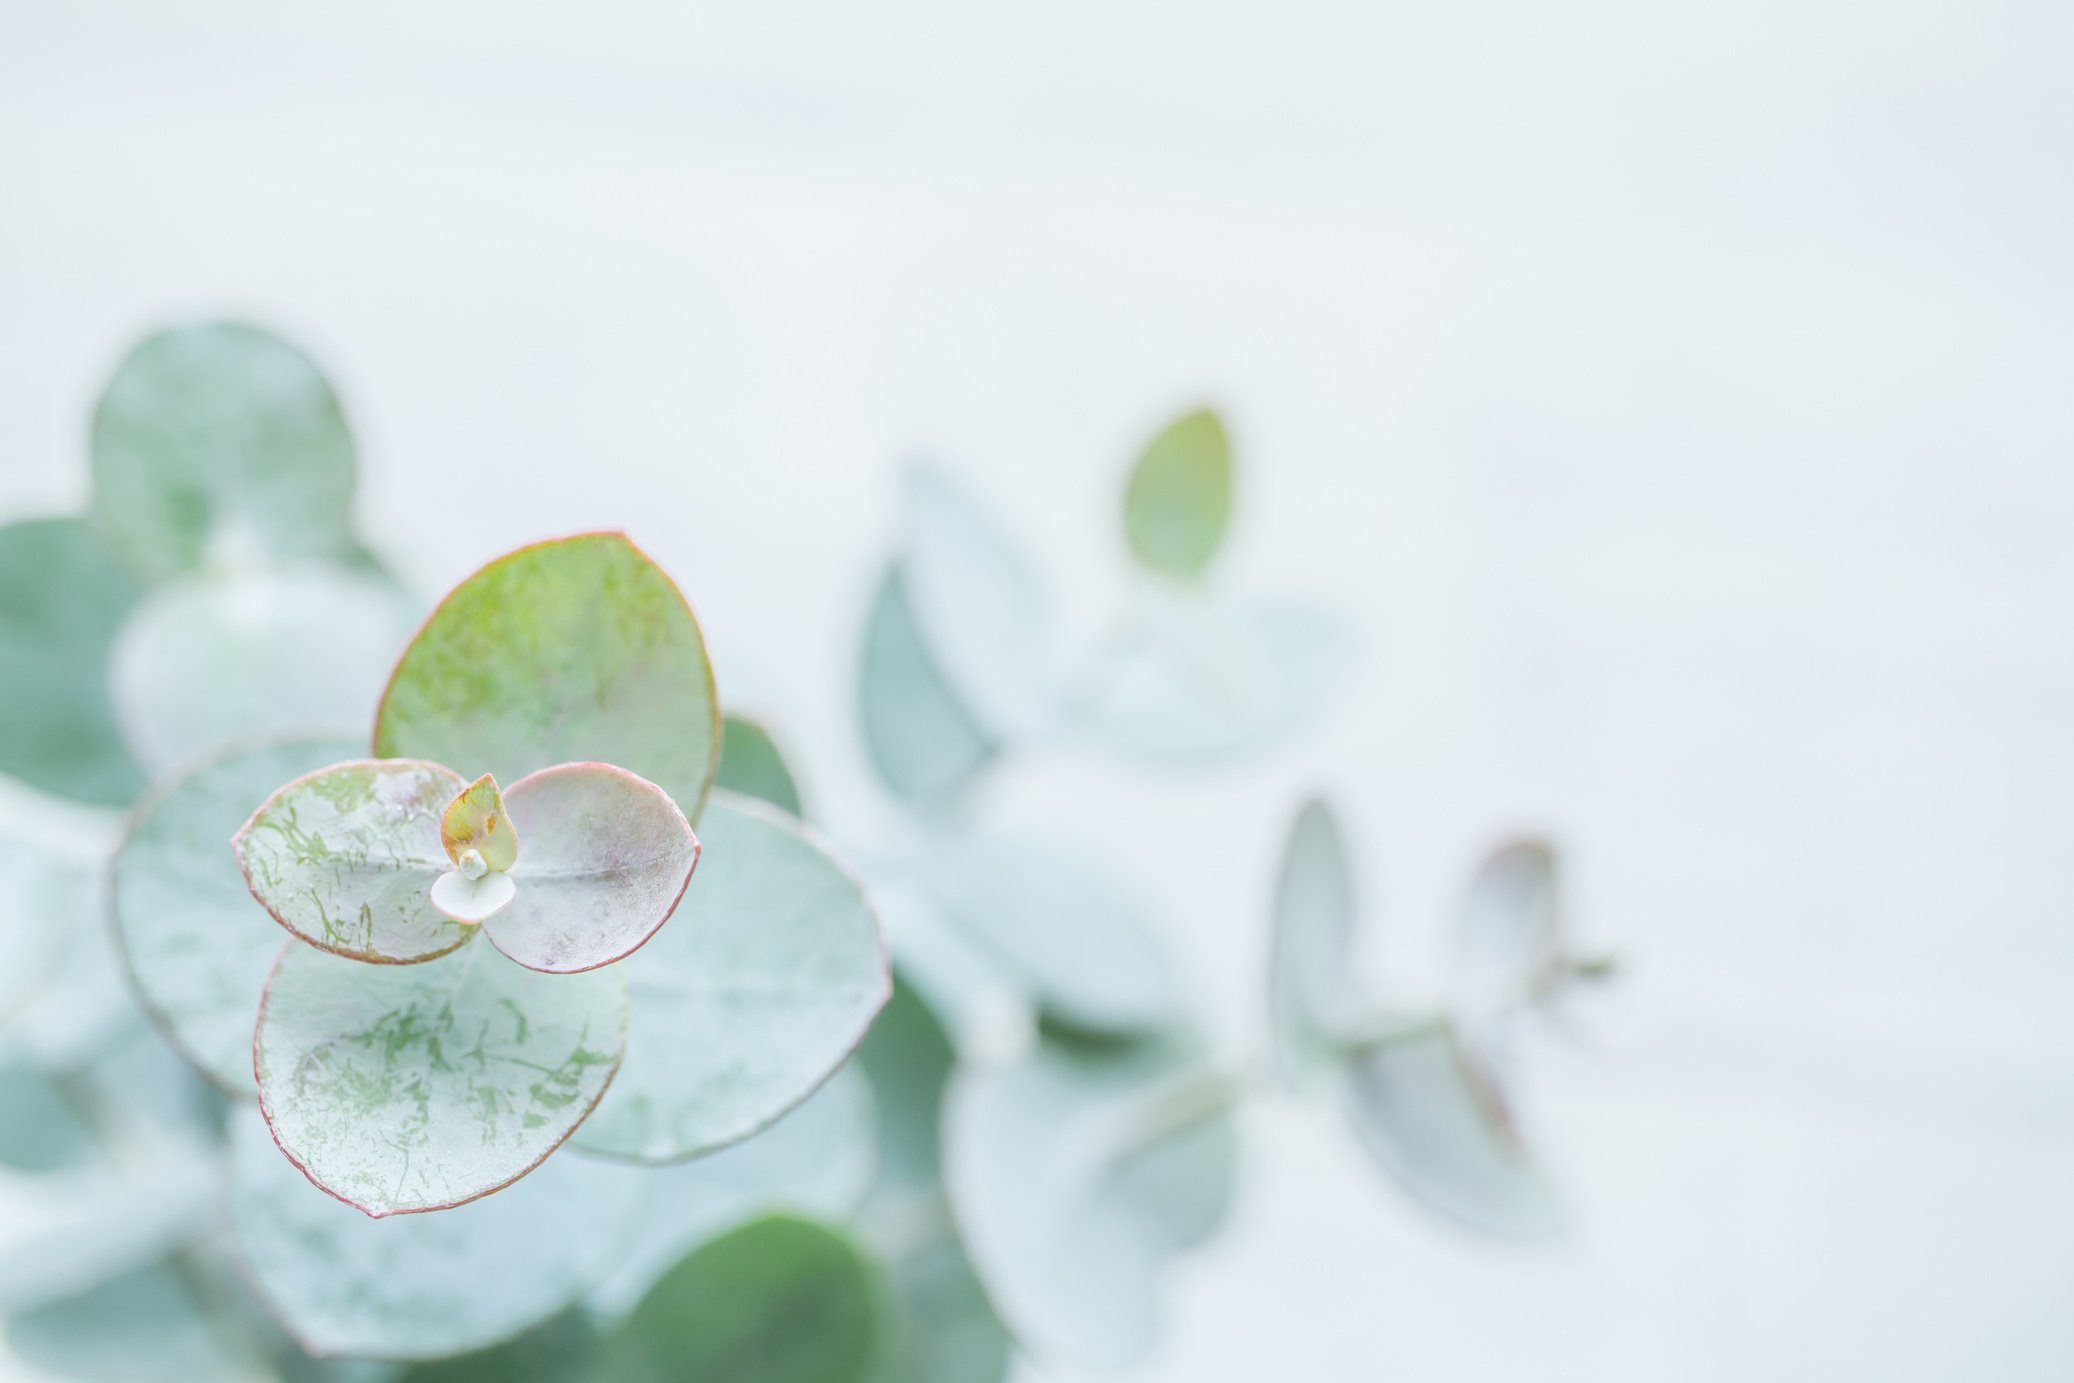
[
  {"x": 354, "y": 859},
  {"x": 1421, "y": 1094}
]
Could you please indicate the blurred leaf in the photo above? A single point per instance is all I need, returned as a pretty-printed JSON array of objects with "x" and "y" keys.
[
  {"x": 1509, "y": 945},
  {"x": 980, "y": 608},
  {"x": 209, "y": 660},
  {"x": 947, "y": 1330},
  {"x": 422, "y": 1286},
  {"x": 1313, "y": 996},
  {"x": 345, "y": 858},
  {"x": 580, "y": 649},
  {"x": 39, "y": 1131},
  {"x": 1076, "y": 1173},
  {"x": 1211, "y": 683},
  {"x": 142, "y": 1327},
  {"x": 44, "y": 899},
  {"x": 922, "y": 739},
  {"x": 606, "y": 857},
  {"x": 88, "y": 1227},
  {"x": 81, "y": 1005},
  {"x": 1178, "y": 503},
  {"x": 219, "y": 438},
  {"x": 762, "y": 987},
  {"x": 1436, "y": 1123},
  {"x": 198, "y": 951},
  {"x": 416, "y": 1087},
  {"x": 1084, "y": 949},
  {"x": 555, "y": 1351},
  {"x": 751, "y": 765},
  {"x": 908, "y": 1057},
  {"x": 61, "y": 602},
  {"x": 815, "y": 1161},
  {"x": 780, "y": 1300}
]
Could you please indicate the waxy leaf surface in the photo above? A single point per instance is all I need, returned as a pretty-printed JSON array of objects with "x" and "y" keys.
[
  {"x": 345, "y": 857},
  {"x": 745, "y": 1003},
  {"x": 475, "y": 820},
  {"x": 208, "y": 660},
  {"x": 422, "y": 1286},
  {"x": 1178, "y": 502},
  {"x": 579, "y": 649},
  {"x": 1076, "y": 1172},
  {"x": 219, "y": 439},
  {"x": 197, "y": 951},
  {"x": 417, "y": 1087},
  {"x": 605, "y": 856},
  {"x": 61, "y": 602}
]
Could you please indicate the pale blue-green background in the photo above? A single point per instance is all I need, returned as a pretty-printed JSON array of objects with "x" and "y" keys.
[{"x": 1675, "y": 394}]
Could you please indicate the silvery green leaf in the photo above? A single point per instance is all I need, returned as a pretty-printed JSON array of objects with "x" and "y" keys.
[
  {"x": 44, "y": 898},
  {"x": 401, "y": 1088},
  {"x": 922, "y": 738},
  {"x": 219, "y": 439},
  {"x": 815, "y": 1161},
  {"x": 980, "y": 608},
  {"x": 198, "y": 950},
  {"x": 908, "y": 1057},
  {"x": 1509, "y": 945},
  {"x": 39, "y": 1130},
  {"x": 144, "y": 1326},
  {"x": 1435, "y": 1121},
  {"x": 576, "y": 650},
  {"x": 61, "y": 602},
  {"x": 948, "y": 1332},
  {"x": 1075, "y": 1174},
  {"x": 212, "y": 659},
  {"x": 422, "y": 1286},
  {"x": 762, "y": 986},
  {"x": 97, "y": 1223},
  {"x": 1313, "y": 996}
]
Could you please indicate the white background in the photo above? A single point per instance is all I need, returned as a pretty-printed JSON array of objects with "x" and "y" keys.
[{"x": 1674, "y": 393}]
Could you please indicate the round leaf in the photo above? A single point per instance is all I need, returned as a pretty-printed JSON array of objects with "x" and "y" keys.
[
  {"x": 457, "y": 897},
  {"x": 1312, "y": 994},
  {"x": 604, "y": 858},
  {"x": 345, "y": 858},
  {"x": 1178, "y": 502},
  {"x": 422, "y": 1286},
  {"x": 1435, "y": 1122},
  {"x": 1509, "y": 944},
  {"x": 579, "y": 649},
  {"x": 1076, "y": 1173},
  {"x": 751, "y": 765},
  {"x": 219, "y": 437},
  {"x": 816, "y": 1161},
  {"x": 417, "y": 1087},
  {"x": 1082, "y": 946},
  {"x": 207, "y": 660},
  {"x": 922, "y": 739},
  {"x": 763, "y": 987},
  {"x": 780, "y": 1300},
  {"x": 980, "y": 607},
  {"x": 197, "y": 951},
  {"x": 61, "y": 602}
]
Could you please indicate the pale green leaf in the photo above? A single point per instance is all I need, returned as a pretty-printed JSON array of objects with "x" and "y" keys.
[
  {"x": 418, "y": 1087},
  {"x": 579, "y": 649},
  {"x": 947, "y": 1330},
  {"x": 208, "y": 660},
  {"x": 762, "y": 987},
  {"x": 780, "y": 1300},
  {"x": 604, "y": 856},
  {"x": 39, "y": 1130},
  {"x": 922, "y": 739},
  {"x": 751, "y": 765},
  {"x": 1178, "y": 502},
  {"x": 1313, "y": 994},
  {"x": 908, "y": 1057},
  {"x": 815, "y": 1161},
  {"x": 43, "y": 898},
  {"x": 219, "y": 440},
  {"x": 1509, "y": 943},
  {"x": 345, "y": 858},
  {"x": 422, "y": 1286},
  {"x": 145, "y": 1326},
  {"x": 1076, "y": 1173},
  {"x": 1081, "y": 945},
  {"x": 558, "y": 1350},
  {"x": 980, "y": 608},
  {"x": 61, "y": 602},
  {"x": 1436, "y": 1123},
  {"x": 197, "y": 950}
]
